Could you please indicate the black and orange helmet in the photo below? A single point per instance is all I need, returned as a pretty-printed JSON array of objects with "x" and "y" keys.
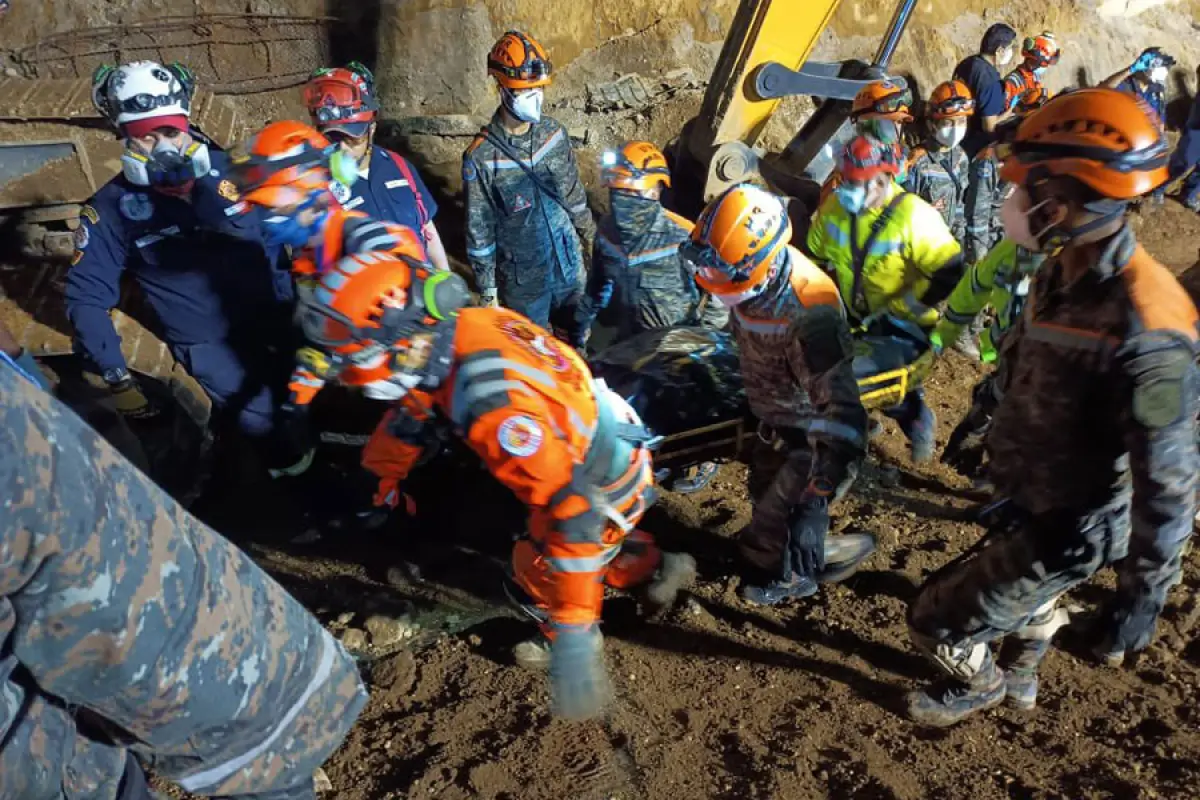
[
  {"x": 282, "y": 165},
  {"x": 889, "y": 99},
  {"x": 1106, "y": 139},
  {"x": 517, "y": 61},
  {"x": 951, "y": 100},
  {"x": 636, "y": 167},
  {"x": 1041, "y": 51},
  {"x": 735, "y": 242},
  {"x": 865, "y": 157}
]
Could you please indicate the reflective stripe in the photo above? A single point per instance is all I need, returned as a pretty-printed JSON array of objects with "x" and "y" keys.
[
  {"x": 214, "y": 775},
  {"x": 958, "y": 317},
  {"x": 474, "y": 369},
  {"x": 840, "y": 238},
  {"x": 653, "y": 255},
  {"x": 354, "y": 202},
  {"x": 480, "y": 391},
  {"x": 624, "y": 494},
  {"x": 763, "y": 326},
  {"x": 395, "y": 184},
  {"x": 585, "y": 430},
  {"x": 335, "y": 280},
  {"x": 300, "y": 380},
  {"x": 482, "y": 252},
  {"x": 1073, "y": 338},
  {"x": 584, "y": 564},
  {"x": 835, "y": 430},
  {"x": 384, "y": 241},
  {"x": 322, "y": 296},
  {"x": 506, "y": 163}
]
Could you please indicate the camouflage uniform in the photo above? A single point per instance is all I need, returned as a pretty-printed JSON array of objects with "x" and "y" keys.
[
  {"x": 527, "y": 238},
  {"x": 126, "y": 625},
  {"x": 938, "y": 176},
  {"x": 636, "y": 262},
  {"x": 982, "y": 205},
  {"x": 796, "y": 357},
  {"x": 1093, "y": 439}
]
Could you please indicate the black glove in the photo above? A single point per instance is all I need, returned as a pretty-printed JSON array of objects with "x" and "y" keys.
[
  {"x": 808, "y": 524},
  {"x": 130, "y": 401}
]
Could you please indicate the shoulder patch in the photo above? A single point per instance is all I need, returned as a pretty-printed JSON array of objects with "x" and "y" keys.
[
  {"x": 1160, "y": 387},
  {"x": 520, "y": 436},
  {"x": 340, "y": 191},
  {"x": 82, "y": 237},
  {"x": 90, "y": 214}
]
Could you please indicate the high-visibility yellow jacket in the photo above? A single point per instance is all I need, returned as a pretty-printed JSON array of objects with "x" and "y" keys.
[{"x": 895, "y": 268}]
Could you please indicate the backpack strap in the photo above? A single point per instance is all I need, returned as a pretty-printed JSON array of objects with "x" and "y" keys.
[
  {"x": 406, "y": 171},
  {"x": 858, "y": 256}
]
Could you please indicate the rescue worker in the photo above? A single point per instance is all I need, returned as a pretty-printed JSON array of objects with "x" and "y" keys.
[
  {"x": 1093, "y": 446},
  {"x": 526, "y": 404},
  {"x": 880, "y": 109},
  {"x": 172, "y": 221},
  {"x": 937, "y": 168},
  {"x": 1001, "y": 280},
  {"x": 636, "y": 264},
  {"x": 528, "y": 223},
  {"x": 893, "y": 259},
  {"x": 1185, "y": 160},
  {"x": 981, "y": 75},
  {"x": 1027, "y": 82},
  {"x": 343, "y": 107},
  {"x": 1146, "y": 78},
  {"x": 134, "y": 634},
  {"x": 796, "y": 358}
]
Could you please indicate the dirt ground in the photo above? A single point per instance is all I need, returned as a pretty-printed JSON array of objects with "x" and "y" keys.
[{"x": 722, "y": 700}]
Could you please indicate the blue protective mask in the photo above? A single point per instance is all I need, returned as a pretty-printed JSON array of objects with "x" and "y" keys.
[
  {"x": 852, "y": 198},
  {"x": 283, "y": 229}
]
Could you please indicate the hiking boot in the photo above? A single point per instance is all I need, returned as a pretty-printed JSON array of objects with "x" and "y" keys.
[
  {"x": 922, "y": 436},
  {"x": 533, "y": 654},
  {"x": 950, "y": 702},
  {"x": 776, "y": 592},
  {"x": 966, "y": 344},
  {"x": 1021, "y": 689},
  {"x": 700, "y": 476},
  {"x": 677, "y": 571}
]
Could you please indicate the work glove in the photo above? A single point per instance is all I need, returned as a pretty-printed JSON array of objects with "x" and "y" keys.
[
  {"x": 579, "y": 686},
  {"x": 131, "y": 403},
  {"x": 1146, "y": 60},
  {"x": 489, "y": 298},
  {"x": 808, "y": 524}
]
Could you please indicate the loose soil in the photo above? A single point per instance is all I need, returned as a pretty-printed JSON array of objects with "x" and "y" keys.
[{"x": 722, "y": 700}]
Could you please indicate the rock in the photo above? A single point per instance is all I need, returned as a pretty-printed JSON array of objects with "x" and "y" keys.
[
  {"x": 354, "y": 639},
  {"x": 579, "y": 134},
  {"x": 889, "y": 477},
  {"x": 321, "y": 782},
  {"x": 403, "y": 575},
  {"x": 387, "y": 630},
  {"x": 345, "y": 618}
]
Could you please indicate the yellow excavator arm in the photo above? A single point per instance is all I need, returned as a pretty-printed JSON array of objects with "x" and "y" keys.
[{"x": 764, "y": 59}]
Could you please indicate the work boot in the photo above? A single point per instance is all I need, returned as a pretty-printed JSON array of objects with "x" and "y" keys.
[
  {"x": 922, "y": 435},
  {"x": 533, "y": 654},
  {"x": 778, "y": 591},
  {"x": 965, "y": 344},
  {"x": 677, "y": 571},
  {"x": 1021, "y": 688},
  {"x": 698, "y": 477},
  {"x": 951, "y": 701}
]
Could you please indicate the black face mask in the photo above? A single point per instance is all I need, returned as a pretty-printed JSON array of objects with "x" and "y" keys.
[{"x": 632, "y": 212}]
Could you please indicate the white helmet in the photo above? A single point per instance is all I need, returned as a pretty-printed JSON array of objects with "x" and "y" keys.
[{"x": 142, "y": 90}]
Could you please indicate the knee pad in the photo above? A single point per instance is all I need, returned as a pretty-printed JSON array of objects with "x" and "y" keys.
[{"x": 959, "y": 661}]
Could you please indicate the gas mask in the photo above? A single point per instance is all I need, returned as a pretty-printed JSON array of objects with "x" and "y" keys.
[
  {"x": 166, "y": 165},
  {"x": 286, "y": 229},
  {"x": 949, "y": 135},
  {"x": 852, "y": 198},
  {"x": 526, "y": 106}
]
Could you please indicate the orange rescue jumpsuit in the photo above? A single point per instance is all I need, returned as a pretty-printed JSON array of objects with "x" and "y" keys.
[{"x": 526, "y": 403}]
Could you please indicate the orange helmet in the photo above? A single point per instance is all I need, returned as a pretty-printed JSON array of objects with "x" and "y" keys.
[
  {"x": 1103, "y": 138},
  {"x": 865, "y": 157},
  {"x": 375, "y": 313},
  {"x": 887, "y": 99},
  {"x": 1040, "y": 51},
  {"x": 517, "y": 61},
  {"x": 342, "y": 99},
  {"x": 735, "y": 243},
  {"x": 284, "y": 165},
  {"x": 636, "y": 167},
  {"x": 951, "y": 100}
]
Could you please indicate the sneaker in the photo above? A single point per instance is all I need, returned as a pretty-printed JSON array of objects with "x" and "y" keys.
[
  {"x": 965, "y": 344},
  {"x": 533, "y": 654},
  {"x": 776, "y": 592},
  {"x": 699, "y": 476},
  {"x": 1021, "y": 689},
  {"x": 924, "y": 443},
  {"x": 950, "y": 702},
  {"x": 677, "y": 571}
]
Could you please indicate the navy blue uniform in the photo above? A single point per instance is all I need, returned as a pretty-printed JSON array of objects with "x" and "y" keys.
[
  {"x": 386, "y": 193},
  {"x": 222, "y": 300},
  {"x": 1187, "y": 157}
]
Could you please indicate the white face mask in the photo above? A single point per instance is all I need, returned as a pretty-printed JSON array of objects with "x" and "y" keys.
[
  {"x": 949, "y": 134},
  {"x": 1005, "y": 56},
  {"x": 526, "y": 106},
  {"x": 1159, "y": 74},
  {"x": 1014, "y": 215}
]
